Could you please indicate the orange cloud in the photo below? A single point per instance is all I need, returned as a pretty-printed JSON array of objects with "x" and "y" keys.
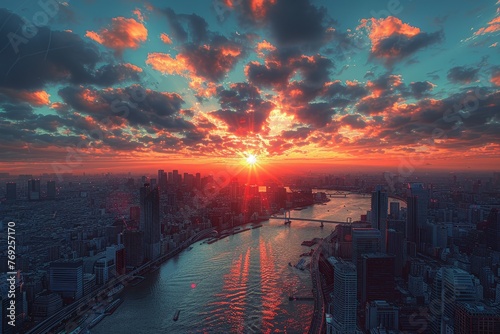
[
  {"x": 383, "y": 28},
  {"x": 259, "y": 7},
  {"x": 122, "y": 34},
  {"x": 264, "y": 46},
  {"x": 35, "y": 98},
  {"x": 139, "y": 15},
  {"x": 493, "y": 26},
  {"x": 165, "y": 38},
  {"x": 495, "y": 79}
]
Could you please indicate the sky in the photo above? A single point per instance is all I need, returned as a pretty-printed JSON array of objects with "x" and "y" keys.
[{"x": 91, "y": 85}]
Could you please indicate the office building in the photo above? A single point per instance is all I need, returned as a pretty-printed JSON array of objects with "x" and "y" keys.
[
  {"x": 379, "y": 313},
  {"x": 394, "y": 210},
  {"x": 11, "y": 194},
  {"x": 150, "y": 221},
  {"x": 477, "y": 318},
  {"x": 417, "y": 215},
  {"x": 66, "y": 278},
  {"x": 133, "y": 241},
  {"x": 345, "y": 297},
  {"x": 51, "y": 189},
  {"x": 395, "y": 246},
  {"x": 377, "y": 278},
  {"x": 379, "y": 203},
  {"x": 34, "y": 190},
  {"x": 458, "y": 286}
]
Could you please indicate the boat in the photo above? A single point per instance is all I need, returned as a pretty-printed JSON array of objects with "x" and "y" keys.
[
  {"x": 117, "y": 289},
  {"x": 176, "y": 315},
  {"x": 212, "y": 241},
  {"x": 97, "y": 320}
]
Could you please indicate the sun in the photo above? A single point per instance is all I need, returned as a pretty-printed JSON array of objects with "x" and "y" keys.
[{"x": 251, "y": 159}]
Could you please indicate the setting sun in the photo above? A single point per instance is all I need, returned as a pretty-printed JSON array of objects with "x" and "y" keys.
[{"x": 251, "y": 159}]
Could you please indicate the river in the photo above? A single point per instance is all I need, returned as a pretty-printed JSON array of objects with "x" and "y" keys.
[{"x": 239, "y": 284}]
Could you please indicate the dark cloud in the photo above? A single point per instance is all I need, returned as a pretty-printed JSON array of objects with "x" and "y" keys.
[
  {"x": 462, "y": 74},
  {"x": 243, "y": 109},
  {"x": 51, "y": 57},
  {"x": 317, "y": 114},
  {"x": 398, "y": 47},
  {"x": 420, "y": 89},
  {"x": 355, "y": 121}
]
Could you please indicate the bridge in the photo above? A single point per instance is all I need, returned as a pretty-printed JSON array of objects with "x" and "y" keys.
[{"x": 287, "y": 219}]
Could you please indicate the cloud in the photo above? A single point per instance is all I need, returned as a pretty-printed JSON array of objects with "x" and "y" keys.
[
  {"x": 420, "y": 89},
  {"x": 203, "y": 57},
  {"x": 495, "y": 78},
  {"x": 462, "y": 74},
  {"x": 165, "y": 38},
  {"x": 35, "y": 98},
  {"x": 491, "y": 27},
  {"x": 29, "y": 65},
  {"x": 243, "y": 109},
  {"x": 122, "y": 34},
  {"x": 392, "y": 40}
]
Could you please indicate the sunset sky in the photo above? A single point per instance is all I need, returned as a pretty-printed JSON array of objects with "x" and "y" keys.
[{"x": 117, "y": 85}]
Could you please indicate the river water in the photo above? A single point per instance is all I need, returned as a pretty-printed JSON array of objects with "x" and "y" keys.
[{"x": 239, "y": 284}]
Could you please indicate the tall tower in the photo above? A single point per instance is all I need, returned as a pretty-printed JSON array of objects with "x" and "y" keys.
[
  {"x": 345, "y": 292},
  {"x": 379, "y": 214},
  {"x": 11, "y": 192},
  {"x": 150, "y": 221},
  {"x": 34, "y": 189},
  {"x": 51, "y": 189},
  {"x": 421, "y": 198},
  {"x": 162, "y": 180}
]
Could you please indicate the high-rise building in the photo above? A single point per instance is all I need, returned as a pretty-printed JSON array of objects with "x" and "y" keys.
[
  {"x": 66, "y": 278},
  {"x": 364, "y": 240},
  {"x": 103, "y": 269},
  {"x": 394, "y": 210},
  {"x": 133, "y": 241},
  {"x": 379, "y": 313},
  {"x": 34, "y": 189},
  {"x": 345, "y": 294},
  {"x": 135, "y": 213},
  {"x": 175, "y": 177},
  {"x": 162, "y": 180},
  {"x": 493, "y": 229},
  {"x": 379, "y": 214},
  {"x": 419, "y": 215},
  {"x": 411, "y": 219},
  {"x": 51, "y": 189},
  {"x": 395, "y": 246},
  {"x": 458, "y": 286},
  {"x": 150, "y": 221},
  {"x": 477, "y": 318},
  {"x": 11, "y": 195},
  {"x": 378, "y": 281}
]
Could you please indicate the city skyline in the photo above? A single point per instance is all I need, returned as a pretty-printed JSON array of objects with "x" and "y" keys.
[{"x": 88, "y": 86}]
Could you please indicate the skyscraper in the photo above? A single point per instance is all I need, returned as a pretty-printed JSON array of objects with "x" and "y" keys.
[
  {"x": 458, "y": 286},
  {"x": 150, "y": 221},
  {"x": 394, "y": 210},
  {"x": 134, "y": 248},
  {"x": 33, "y": 189},
  {"x": 420, "y": 204},
  {"x": 345, "y": 294},
  {"x": 11, "y": 192},
  {"x": 162, "y": 180},
  {"x": 379, "y": 214},
  {"x": 378, "y": 282},
  {"x": 51, "y": 189}
]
